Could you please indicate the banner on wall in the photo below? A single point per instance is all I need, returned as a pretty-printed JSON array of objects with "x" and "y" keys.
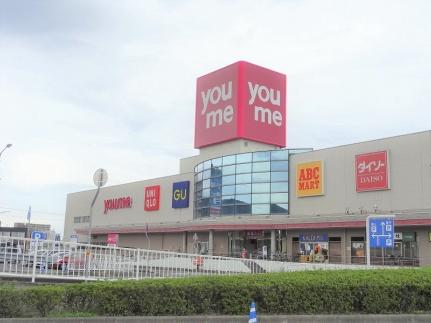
[
  {"x": 112, "y": 239},
  {"x": 180, "y": 195},
  {"x": 309, "y": 179},
  {"x": 152, "y": 198},
  {"x": 372, "y": 171}
]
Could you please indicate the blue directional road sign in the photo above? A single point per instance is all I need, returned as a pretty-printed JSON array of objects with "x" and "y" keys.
[
  {"x": 381, "y": 232},
  {"x": 38, "y": 235}
]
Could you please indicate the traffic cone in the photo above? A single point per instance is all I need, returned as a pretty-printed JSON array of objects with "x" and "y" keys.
[{"x": 252, "y": 318}]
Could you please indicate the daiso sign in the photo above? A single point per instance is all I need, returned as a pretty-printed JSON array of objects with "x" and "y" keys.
[{"x": 241, "y": 100}]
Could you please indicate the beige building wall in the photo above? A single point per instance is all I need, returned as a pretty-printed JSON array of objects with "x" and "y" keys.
[
  {"x": 78, "y": 204},
  {"x": 410, "y": 178}
]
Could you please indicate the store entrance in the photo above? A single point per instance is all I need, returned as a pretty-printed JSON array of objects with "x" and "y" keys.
[{"x": 250, "y": 244}]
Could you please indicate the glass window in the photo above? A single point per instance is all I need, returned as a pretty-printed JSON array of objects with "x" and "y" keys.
[
  {"x": 261, "y": 198},
  {"x": 227, "y": 180},
  {"x": 206, "y": 192},
  {"x": 204, "y": 202},
  {"x": 279, "y": 197},
  {"x": 279, "y": 176},
  {"x": 228, "y": 199},
  {"x": 207, "y": 174},
  {"x": 261, "y": 167},
  {"x": 198, "y": 195},
  {"x": 215, "y": 210},
  {"x": 280, "y": 154},
  {"x": 229, "y": 160},
  {"x": 279, "y": 165},
  {"x": 261, "y": 156},
  {"x": 228, "y": 190},
  {"x": 243, "y": 199},
  {"x": 279, "y": 208},
  {"x": 198, "y": 176},
  {"x": 261, "y": 188},
  {"x": 228, "y": 170},
  {"x": 200, "y": 167},
  {"x": 243, "y": 209},
  {"x": 260, "y": 209},
  {"x": 216, "y": 181},
  {"x": 215, "y": 171},
  {"x": 228, "y": 210},
  {"x": 243, "y": 178},
  {"x": 243, "y": 168},
  {"x": 243, "y": 158},
  {"x": 205, "y": 212},
  {"x": 206, "y": 183},
  {"x": 198, "y": 186},
  {"x": 280, "y": 187},
  {"x": 77, "y": 219},
  {"x": 243, "y": 189},
  {"x": 217, "y": 162},
  {"x": 215, "y": 190},
  {"x": 207, "y": 164},
  {"x": 261, "y": 177}
]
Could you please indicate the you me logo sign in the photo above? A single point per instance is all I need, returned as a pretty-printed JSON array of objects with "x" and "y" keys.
[{"x": 241, "y": 100}]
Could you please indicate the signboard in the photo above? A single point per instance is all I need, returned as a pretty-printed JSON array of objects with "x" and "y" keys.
[
  {"x": 309, "y": 179},
  {"x": 257, "y": 233},
  {"x": 117, "y": 203},
  {"x": 152, "y": 198},
  {"x": 73, "y": 238},
  {"x": 381, "y": 232},
  {"x": 241, "y": 100},
  {"x": 112, "y": 239},
  {"x": 398, "y": 236},
  {"x": 180, "y": 194},
  {"x": 372, "y": 171},
  {"x": 39, "y": 235},
  {"x": 313, "y": 237}
]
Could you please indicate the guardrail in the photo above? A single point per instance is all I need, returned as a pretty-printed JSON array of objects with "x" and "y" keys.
[{"x": 43, "y": 259}]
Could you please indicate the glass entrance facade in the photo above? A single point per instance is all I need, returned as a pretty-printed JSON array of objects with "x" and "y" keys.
[{"x": 243, "y": 184}]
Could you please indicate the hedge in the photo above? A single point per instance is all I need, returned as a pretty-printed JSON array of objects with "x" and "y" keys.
[{"x": 323, "y": 292}]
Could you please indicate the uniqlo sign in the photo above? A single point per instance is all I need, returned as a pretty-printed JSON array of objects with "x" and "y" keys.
[
  {"x": 152, "y": 198},
  {"x": 241, "y": 100},
  {"x": 372, "y": 171}
]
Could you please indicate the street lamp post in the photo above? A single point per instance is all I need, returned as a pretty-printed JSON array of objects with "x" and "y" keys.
[
  {"x": 100, "y": 178},
  {"x": 7, "y": 146}
]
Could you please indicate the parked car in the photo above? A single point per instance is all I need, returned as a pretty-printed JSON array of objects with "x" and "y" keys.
[{"x": 10, "y": 254}]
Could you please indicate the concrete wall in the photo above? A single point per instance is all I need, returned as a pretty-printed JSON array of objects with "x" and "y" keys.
[
  {"x": 410, "y": 178},
  {"x": 78, "y": 204}
]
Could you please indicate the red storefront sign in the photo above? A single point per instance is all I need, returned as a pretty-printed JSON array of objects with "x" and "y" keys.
[
  {"x": 241, "y": 100},
  {"x": 152, "y": 198},
  {"x": 112, "y": 239},
  {"x": 118, "y": 203},
  {"x": 372, "y": 171}
]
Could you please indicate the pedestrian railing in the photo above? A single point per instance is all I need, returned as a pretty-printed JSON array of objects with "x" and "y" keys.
[{"x": 43, "y": 259}]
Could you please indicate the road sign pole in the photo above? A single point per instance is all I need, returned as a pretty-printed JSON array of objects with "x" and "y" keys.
[{"x": 368, "y": 241}]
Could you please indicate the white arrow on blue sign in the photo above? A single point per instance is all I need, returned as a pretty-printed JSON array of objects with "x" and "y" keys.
[{"x": 381, "y": 232}]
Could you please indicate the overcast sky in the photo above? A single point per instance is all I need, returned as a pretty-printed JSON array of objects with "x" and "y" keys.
[{"x": 89, "y": 84}]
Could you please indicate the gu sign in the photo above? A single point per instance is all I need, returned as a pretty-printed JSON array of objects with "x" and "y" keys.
[
  {"x": 180, "y": 194},
  {"x": 372, "y": 171},
  {"x": 241, "y": 100}
]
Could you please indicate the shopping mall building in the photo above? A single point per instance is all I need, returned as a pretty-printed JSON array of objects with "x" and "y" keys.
[{"x": 246, "y": 194}]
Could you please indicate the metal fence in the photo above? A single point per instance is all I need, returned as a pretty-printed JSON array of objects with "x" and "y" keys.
[{"x": 43, "y": 259}]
